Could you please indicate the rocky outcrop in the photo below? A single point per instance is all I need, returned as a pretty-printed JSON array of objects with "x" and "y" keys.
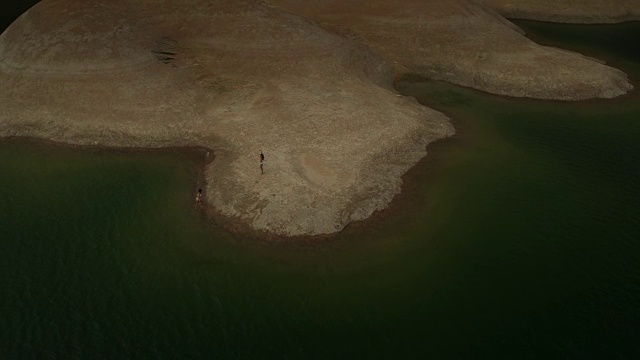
[
  {"x": 575, "y": 11},
  {"x": 465, "y": 43}
]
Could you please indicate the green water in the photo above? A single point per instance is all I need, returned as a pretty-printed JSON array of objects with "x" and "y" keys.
[{"x": 519, "y": 238}]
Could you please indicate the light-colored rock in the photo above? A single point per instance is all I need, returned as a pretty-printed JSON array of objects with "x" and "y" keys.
[
  {"x": 466, "y": 43},
  {"x": 233, "y": 76},
  {"x": 569, "y": 11}
]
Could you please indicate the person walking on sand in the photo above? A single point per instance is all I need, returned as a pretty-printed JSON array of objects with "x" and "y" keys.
[
  {"x": 199, "y": 198},
  {"x": 261, "y": 165}
]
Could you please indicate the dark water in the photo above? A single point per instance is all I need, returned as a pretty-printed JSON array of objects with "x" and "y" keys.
[
  {"x": 520, "y": 239},
  {"x": 10, "y": 10}
]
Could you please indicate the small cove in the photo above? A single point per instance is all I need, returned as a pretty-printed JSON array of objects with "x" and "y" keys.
[{"x": 517, "y": 238}]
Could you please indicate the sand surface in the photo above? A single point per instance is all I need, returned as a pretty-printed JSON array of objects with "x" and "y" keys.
[
  {"x": 308, "y": 83},
  {"x": 574, "y": 11},
  {"x": 466, "y": 43}
]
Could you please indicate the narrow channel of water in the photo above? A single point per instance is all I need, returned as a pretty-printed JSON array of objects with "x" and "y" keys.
[{"x": 518, "y": 238}]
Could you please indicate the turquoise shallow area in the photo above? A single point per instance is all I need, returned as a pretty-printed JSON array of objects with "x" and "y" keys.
[{"x": 518, "y": 238}]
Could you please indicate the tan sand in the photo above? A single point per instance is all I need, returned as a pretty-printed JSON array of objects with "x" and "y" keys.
[
  {"x": 312, "y": 88},
  {"x": 573, "y": 11}
]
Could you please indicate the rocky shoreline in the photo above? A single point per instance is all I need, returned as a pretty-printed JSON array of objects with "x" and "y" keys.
[{"x": 311, "y": 85}]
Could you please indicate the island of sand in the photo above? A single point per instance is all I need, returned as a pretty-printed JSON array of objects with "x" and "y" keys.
[{"x": 310, "y": 83}]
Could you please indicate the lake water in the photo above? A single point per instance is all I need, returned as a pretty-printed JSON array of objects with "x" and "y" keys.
[{"x": 518, "y": 238}]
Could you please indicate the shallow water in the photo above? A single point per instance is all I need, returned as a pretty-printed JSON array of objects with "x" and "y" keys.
[{"x": 518, "y": 238}]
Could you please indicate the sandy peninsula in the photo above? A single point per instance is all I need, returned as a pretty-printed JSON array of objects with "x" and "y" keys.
[
  {"x": 310, "y": 83},
  {"x": 466, "y": 43}
]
